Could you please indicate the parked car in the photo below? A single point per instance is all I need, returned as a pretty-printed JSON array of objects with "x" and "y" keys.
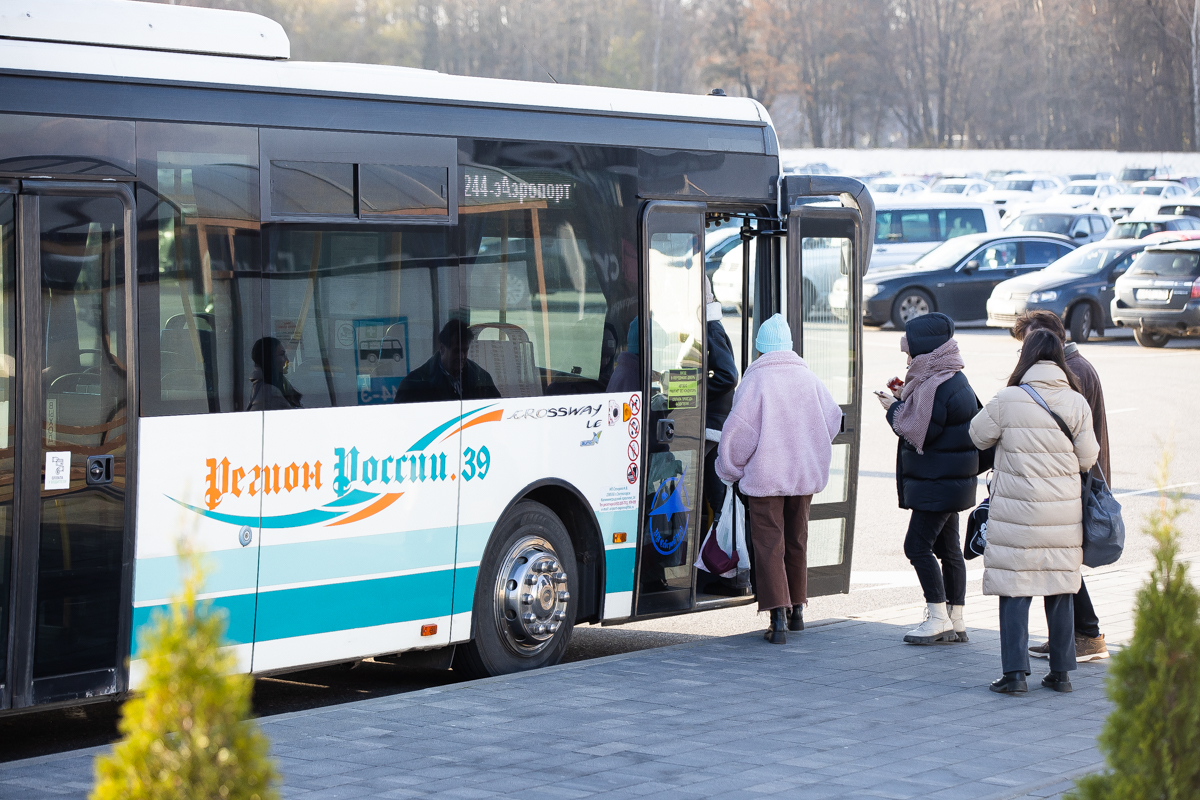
[
  {"x": 1192, "y": 182},
  {"x": 898, "y": 187},
  {"x": 1131, "y": 228},
  {"x": 963, "y": 187},
  {"x": 1159, "y": 296},
  {"x": 956, "y": 278},
  {"x": 1082, "y": 227},
  {"x": 1078, "y": 288},
  {"x": 908, "y": 228},
  {"x": 1136, "y": 174},
  {"x": 1121, "y": 205},
  {"x": 1083, "y": 193},
  {"x": 1103, "y": 177},
  {"x": 1175, "y": 207},
  {"x": 1022, "y": 187}
]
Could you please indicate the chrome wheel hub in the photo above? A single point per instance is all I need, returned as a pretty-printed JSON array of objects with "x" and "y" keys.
[
  {"x": 532, "y": 596},
  {"x": 912, "y": 307}
]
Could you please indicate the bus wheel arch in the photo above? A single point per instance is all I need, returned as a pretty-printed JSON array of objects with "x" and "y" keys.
[{"x": 534, "y": 583}]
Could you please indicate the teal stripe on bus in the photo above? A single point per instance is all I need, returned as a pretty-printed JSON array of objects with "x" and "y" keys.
[
  {"x": 618, "y": 569},
  {"x": 225, "y": 571},
  {"x": 309, "y": 610},
  {"x": 238, "y": 610},
  {"x": 464, "y": 588}
]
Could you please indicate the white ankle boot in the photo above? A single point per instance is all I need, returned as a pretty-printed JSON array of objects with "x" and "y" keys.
[
  {"x": 956, "y": 619},
  {"x": 937, "y": 627}
]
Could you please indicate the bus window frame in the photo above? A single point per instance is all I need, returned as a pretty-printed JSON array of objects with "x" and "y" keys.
[{"x": 354, "y": 148}]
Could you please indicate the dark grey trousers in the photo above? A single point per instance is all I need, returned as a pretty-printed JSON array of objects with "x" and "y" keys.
[{"x": 1014, "y": 633}]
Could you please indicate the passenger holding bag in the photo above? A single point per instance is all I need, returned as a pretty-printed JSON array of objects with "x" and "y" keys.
[{"x": 1035, "y": 519}]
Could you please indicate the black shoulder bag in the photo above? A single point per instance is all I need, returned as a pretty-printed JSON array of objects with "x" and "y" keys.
[{"x": 1103, "y": 528}]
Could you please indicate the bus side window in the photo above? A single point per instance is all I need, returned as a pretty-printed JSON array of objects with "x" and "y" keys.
[
  {"x": 548, "y": 299},
  {"x": 198, "y": 265},
  {"x": 360, "y": 316}
]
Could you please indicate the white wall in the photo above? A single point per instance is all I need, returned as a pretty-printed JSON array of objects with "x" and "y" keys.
[{"x": 932, "y": 162}]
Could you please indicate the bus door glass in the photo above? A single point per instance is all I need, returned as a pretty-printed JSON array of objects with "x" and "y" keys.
[
  {"x": 673, "y": 414},
  {"x": 823, "y": 246},
  {"x": 73, "y": 542}
]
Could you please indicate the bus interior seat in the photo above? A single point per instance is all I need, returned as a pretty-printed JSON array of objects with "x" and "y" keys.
[
  {"x": 509, "y": 359},
  {"x": 176, "y": 343},
  {"x": 183, "y": 385}
]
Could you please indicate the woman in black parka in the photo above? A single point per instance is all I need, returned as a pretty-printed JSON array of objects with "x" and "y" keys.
[{"x": 936, "y": 469}]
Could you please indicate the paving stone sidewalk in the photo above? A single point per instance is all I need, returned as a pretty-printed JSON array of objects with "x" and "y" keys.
[{"x": 844, "y": 710}]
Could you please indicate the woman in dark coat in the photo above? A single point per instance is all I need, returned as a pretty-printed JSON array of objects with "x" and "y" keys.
[{"x": 936, "y": 469}]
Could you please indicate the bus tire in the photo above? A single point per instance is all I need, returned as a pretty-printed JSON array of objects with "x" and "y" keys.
[{"x": 524, "y": 609}]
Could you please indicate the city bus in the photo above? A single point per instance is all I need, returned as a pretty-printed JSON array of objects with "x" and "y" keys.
[{"x": 373, "y": 342}]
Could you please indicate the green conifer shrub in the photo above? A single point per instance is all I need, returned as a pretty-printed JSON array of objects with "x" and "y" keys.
[
  {"x": 187, "y": 733},
  {"x": 1151, "y": 739}
]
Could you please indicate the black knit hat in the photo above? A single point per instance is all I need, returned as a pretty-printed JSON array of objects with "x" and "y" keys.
[{"x": 927, "y": 333}]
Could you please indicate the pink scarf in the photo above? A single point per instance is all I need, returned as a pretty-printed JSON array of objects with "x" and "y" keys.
[{"x": 926, "y": 373}]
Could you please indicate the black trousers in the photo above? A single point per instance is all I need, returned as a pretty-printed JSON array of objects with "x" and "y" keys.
[
  {"x": 933, "y": 536},
  {"x": 1086, "y": 621},
  {"x": 1014, "y": 633}
]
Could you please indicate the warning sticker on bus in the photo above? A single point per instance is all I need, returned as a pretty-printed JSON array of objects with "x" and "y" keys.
[{"x": 683, "y": 388}]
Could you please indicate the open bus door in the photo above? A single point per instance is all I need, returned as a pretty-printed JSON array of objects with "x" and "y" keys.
[
  {"x": 830, "y": 228},
  {"x": 67, "y": 423}
]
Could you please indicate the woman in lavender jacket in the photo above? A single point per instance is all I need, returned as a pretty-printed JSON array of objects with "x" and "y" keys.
[{"x": 777, "y": 444}]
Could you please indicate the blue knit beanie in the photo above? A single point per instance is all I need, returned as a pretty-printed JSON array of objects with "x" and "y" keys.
[{"x": 774, "y": 334}]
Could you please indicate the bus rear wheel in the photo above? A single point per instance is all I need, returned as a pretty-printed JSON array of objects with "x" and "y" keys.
[{"x": 523, "y": 612}]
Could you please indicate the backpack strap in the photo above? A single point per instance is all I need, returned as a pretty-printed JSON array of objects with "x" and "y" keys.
[{"x": 1037, "y": 398}]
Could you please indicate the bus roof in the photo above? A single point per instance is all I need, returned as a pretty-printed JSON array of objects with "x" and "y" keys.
[{"x": 147, "y": 42}]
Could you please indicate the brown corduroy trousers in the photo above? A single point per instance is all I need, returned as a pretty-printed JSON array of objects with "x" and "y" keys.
[{"x": 779, "y": 532}]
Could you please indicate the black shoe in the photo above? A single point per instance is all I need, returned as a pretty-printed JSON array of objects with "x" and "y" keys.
[
  {"x": 777, "y": 633},
  {"x": 1011, "y": 683},
  {"x": 1058, "y": 681},
  {"x": 796, "y": 619}
]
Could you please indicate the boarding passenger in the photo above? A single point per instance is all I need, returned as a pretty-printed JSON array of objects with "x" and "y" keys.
[
  {"x": 722, "y": 380},
  {"x": 448, "y": 374},
  {"x": 936, "y": 469},
  {"x": 269, "y": 389},
  {"x": 777, "y": 445},
  {"x": 1035, "y": 524},
  {"x": 1089, "y": 641}
]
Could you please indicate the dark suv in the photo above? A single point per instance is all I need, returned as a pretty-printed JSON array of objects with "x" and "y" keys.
[{"x": 1159, "y": 296}]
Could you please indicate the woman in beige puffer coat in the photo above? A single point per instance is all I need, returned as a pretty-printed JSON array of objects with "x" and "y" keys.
[{"x": 1035, "y": 521}]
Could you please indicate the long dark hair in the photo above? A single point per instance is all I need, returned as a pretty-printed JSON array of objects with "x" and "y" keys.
[{"x": 1041, "y": 345}]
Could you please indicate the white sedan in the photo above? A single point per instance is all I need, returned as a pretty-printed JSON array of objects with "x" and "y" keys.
[
  {"x": 896, "y": 187},
  {"x": 1083, "y": 194},
  {"x": 963, "y": 187},
  {"x": 1021, "y": 189},
  {"x": 1122, "y": 205}
]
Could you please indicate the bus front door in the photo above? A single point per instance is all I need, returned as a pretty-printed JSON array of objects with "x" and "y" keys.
[
  {"x": 673, "y": 413},
  {"x": 66, "y": 401},
  {"x": 825, "y": 245}
]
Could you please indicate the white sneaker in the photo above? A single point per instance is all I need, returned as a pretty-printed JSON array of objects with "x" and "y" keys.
[
  {"x": 956, "y": 618},
  {"x": 937, "y": 627}
]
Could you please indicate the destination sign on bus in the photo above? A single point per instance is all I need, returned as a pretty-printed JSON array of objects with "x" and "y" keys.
[{"x": 492, "y": 186}]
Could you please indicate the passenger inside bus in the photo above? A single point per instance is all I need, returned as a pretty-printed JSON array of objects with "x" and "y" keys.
[
  {"x": 448, "y": 374},
  {"x": 270, "y": 390}
]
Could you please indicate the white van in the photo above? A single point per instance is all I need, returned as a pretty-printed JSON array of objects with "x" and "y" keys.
[{"x": 908, "y": 228}]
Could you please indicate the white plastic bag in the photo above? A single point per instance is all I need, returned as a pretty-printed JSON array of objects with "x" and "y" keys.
[{"x": 732, "y": 511}]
